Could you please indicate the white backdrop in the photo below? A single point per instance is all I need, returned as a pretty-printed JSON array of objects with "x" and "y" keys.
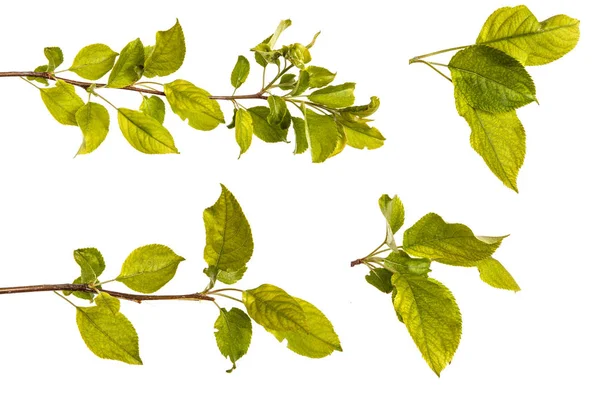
[{"x": 309, "y": 221}]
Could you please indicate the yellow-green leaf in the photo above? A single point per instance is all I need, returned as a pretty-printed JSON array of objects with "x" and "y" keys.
[
  {"x": 154, "y": 107},
  {"x": 393, "y": 211},
  {"x": 233, "y": 334},
  {"x": 93, "y": 120},
  {"x": 360, "y": 135},
  {"x": 499, "y": 139},
  {"x": 147, "y": 269},
  {"x": 431, "y": 316},
  {"x": 229, "y": 243},
  {"x": 62, "y": 102},
  {"x": 490, "y": 80},
  {"x": 275, "y": 309},
  {"x": 129, "y": 67},
  {"x": 54, "y": 56},
  {"x": 91, "y": 262},
  {"x": 319, "y": 76},
  {"x": 194, "y": 104},
  {"x": 493, "y": 273},
  {"x": 243, "y": 129},
  {"x": 381, "y": 279},
  {"x": 300, "y": 133},
  {"x": 107, "y": 332},
  {"x": 93, "y": 61},
  {"x": 335, "y": 96},
  {"x": 517, "y": 32},
  {"x": 317, "y": 341},
  {"x": 145, "y": 133},
  {"x": 167, "y": 55},
  {"x": 454, "y": 244},
  {"x": 240, "y": 72},
  {"x": 263, "y": 129},
  {"x": 321, "y": 135},
  {"x": 401, "y": 262},
  {"x": 365, "y": 110}
]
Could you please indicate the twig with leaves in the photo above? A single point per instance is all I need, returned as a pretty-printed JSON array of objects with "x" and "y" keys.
[{"x": 327, "y": 120}]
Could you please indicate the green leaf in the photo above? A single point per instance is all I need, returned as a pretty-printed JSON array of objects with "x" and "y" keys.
[
  {"x": 381, "y": 279},
  {"x": 319, "y": 76},
  {"x": 154, "y": 107},
  {"x": 287, "y": 82},
  {"x": 107, "y": 332},
  {"x": 229, "y": 243},
  {"x": 301, "y": 84},
  {"x": 147, "y": 269},
  {"x": 243, "y": 129},
  {"x": 231, "y": 277},
  {"x": 360, "y": 135},
  {"x": 194, "y": 104},
  {"x": 335, "y": 96},
  {"x": 129, "y": 66},
  {"x": 93, "y": 120},
  {"x": 321, "y": 135},
  {"x": 78, "y": 294},
  {"x": 263, "y": 129},
  {"x": 401, "y": 262},
  {"x": 341, "y": 141},
  {"x": 300, "y": 132},
  {"x": 240, "y": 72},
  {"x": 431, "y": 316},
  {"x": 393, "y": 211},
  {"x": 62, "y": 102},
  {"x": 490, "y": 80},
  {"x": 94, "y": 61},
  {"x": 498, "y": 138},
  {"x": 454, "y": 244},
  {"x": 145, "y": 133},
  {"x": 298, "y": 55},
  {"x": 517, "y": 32},
  {"x": 277, "y": 110},
  {"x": 364, "y": 110},
  {"x": 493, "y": 273},
  {"x": 91, "y": 262},
  {"x": 318, "y": 341},
  {"x": 54, "y": 56},
  {"x": 40, "y": 69},
  {"x": 233, "y": 334},
  {"x": 167, "y": 55},
  {"x": 272, "y": 40},
  {"x": 275, "y": 309}
]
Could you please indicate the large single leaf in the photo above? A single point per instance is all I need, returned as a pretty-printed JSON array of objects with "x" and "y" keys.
[
  {"x": 263, "y": 129},
  {"x": 129, "y": 66},
  {"x": 517, "y": 32},
  {"x": 62, "y": 102},
  {"x": 93, "y": 120},
  {"x": 194, "y": 104},
  {"x": 167, "y": 55},
  {"x": 240, "y": 72},
  {"x": 145, "y": 133},
  {"x": 154, "y": 107},
  {"x": 93, "y": 61},
  {"x": 490, "y": 80},
  {"x": 91, "y": 262},
  {"x": 275, "y": 309},
  {"x": 321, "y": 134},
  {"x": 147, "y": 269},
  {"x": 229, "y": 243},
  {"x": 431, "y": 316},
  {"x": 334, "y": 96},
  {"x": 318, "y": 341},
  {"x": 499, "y": 139},
  {"x": 243, "y": 129},
  {"x": 319, "y": 76},
  {"x": 493, "y": 273},
  {"x": 360, "y": 135},
  {"x": 233, "y": 334},
  {"x": 455, "y": 244},
  {"x": 107, "y": 332}
]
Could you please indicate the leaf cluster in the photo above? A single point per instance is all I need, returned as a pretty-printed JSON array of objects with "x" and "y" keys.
[
  {"x": 423, "y": 304},
  {"x": 229, "y": 246},
  {"x": 491, "y": 82},
  {"x": 325, "y": 119}
]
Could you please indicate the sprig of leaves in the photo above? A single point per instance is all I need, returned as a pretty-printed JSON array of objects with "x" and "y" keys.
[
  {"x": 491, "y": 82},
  {"x": 298, "y": 95},
  {"x": 423, "y": 304},
  {"x": 229, "y": 246}
]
